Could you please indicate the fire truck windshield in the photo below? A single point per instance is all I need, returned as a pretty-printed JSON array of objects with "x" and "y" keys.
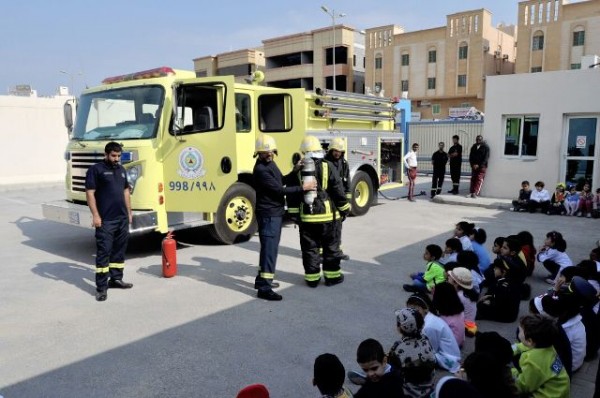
[{"x": 120, "y": 114}]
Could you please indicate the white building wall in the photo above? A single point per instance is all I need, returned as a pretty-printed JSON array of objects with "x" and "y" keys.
[
  {"x": 551, "y": 95},
  {"x": 34, "y": 140}
]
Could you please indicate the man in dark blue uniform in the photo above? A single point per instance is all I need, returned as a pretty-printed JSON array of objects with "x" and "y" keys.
[
  {"x": 107, "y": 193},
  {"x": 455, "y": 155},
  {"x": 270, "y": 208},
  {"x": 438, "y": 160}
]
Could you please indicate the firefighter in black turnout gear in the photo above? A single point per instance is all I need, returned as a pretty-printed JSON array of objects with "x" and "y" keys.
[
  {"x": 335, "y": 155},
  {"x": 317, "y": 214},
  {"x": 439, "y": 159}
]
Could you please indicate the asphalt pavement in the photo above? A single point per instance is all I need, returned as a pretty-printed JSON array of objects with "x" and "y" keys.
[{"x": 203, "y": 333}]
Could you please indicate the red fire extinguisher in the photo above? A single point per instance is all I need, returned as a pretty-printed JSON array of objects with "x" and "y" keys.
[{"x": 169, "y": 256}]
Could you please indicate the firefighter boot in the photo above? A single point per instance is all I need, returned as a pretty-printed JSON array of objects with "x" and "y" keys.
[
  {"x": 334, "y": 281},
  {"x": 119, "y": 284}
]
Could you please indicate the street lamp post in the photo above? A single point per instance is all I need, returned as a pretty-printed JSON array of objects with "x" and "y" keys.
[
  {"x": 333, "y": 15},
  {"x": 72, "y": 78}
]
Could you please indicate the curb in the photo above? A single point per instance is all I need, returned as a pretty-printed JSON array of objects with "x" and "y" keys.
[{"x": 488, "y": 203}]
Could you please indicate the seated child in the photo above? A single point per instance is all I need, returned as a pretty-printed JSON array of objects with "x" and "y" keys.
[
  {"x": 539, "y": 199},
  {"x": 512, "y": 255},
  {"x": 328, "y": 377},
  {"x": 528, "y": 250},
  {"x": 445, "y": 347},
  {"x": 596, "y": 204},
  {"x": 449, "y": 307},
  {"x": 462, "y": 231},
  {"x": 381, "y": 380},
  {"x": 413, "y": 354},
  {"x": 557, "y": 201},
  {"x": 434, "y": 272},
  {"x": 478, "y": 238},
  {"x": 502, "y": 299},
  {"x": 552, "y": 255},
  {"x": 489, "y": 375},
  {"x": 572, "y": 201},
  {"x": 541, "y": 373},
  {"x": 469, "y": 260},
  {"x": 588, "y": 298},
  {"x": 453, "y": 247},
  {"x": 586, "y": 199},
  {"x": 520, "y": 204},
  {"x": 564, "y": 307},
  {"x": 462, "y": 280}
]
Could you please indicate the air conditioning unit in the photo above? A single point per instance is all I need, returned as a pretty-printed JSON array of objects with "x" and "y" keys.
[
  {"x": 497, "y": 53},
  {"x": 486, "y": 49},
  {"x": 505, "y": 57}
]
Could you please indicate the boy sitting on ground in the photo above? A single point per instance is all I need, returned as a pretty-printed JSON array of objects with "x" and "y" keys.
[
  {"x": 434, "y": 272},
  {"x": 329, "y": 374},
  {"x": 541, "y": 373},
  {"x": 520, "y": 204},
  {"x": 382, "y": 381}
]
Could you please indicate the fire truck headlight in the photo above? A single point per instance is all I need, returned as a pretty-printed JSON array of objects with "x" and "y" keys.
[{"x": 133, "y": 173}]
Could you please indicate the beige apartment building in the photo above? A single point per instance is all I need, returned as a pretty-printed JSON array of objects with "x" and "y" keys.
[
  {"x": 302, "y": 60},
  {"x": 442, "y": 70},
  {"x": 556, "y": 35}
]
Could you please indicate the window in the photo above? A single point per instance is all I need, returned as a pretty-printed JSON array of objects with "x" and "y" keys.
[
  {"x": 538, "y": 42},
  {"x": 242, "y": 112},
  {"x": 432, "y": 56},
  {"x": 575, "y": 66},
  {"x": 377, "y": 87},
  {"x": 341, "y": 55},
  {"x": 405, "y": 59},
  {"x": 463, "y": 51},
  {"x": 354, "y": 60},
  {"x": 431, "y": 83},
  {"x": 275, "y": 112},
  {"x": 578, "y": 38},
  {"x": 436, "y": 109},
  {"x": 465, "y": 105},
  {"x": 404, "y": 85},
  {"x": 462, "y": 80},
  {"x": 536, "y": 69},
  {"x": 521, "y": 135},
  {"x": 378, "y": 62}
]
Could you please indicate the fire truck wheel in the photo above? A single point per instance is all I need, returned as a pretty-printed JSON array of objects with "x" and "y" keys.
[
  {"x": 235, "y": 220},
  {"x": 362, "y": 193}
]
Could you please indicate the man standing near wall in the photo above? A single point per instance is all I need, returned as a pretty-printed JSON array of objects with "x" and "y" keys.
[
  {"x": 478, "y": 158},
  {"x": 410, "y": 162},
  {"x": 438, "y": 160},
  {"x": 455, "y": 155}
]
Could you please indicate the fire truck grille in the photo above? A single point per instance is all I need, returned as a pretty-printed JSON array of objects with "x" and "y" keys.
[{"x": 80, "y": 163}]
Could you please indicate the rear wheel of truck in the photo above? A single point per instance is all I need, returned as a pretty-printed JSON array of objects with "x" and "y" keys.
[
  {"x": 362, "y": 193},
  {"x": 235, "y": 220}
]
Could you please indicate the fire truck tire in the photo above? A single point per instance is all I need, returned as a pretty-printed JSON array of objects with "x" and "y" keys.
[
  {"x": 235, "y": 220},
  {"x": 362, "y": 193}
]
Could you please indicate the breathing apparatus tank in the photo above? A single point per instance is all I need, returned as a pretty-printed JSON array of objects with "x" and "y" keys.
[{"x": 308, "y": 175}]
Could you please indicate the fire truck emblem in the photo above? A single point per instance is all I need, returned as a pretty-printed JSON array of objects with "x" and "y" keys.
[{"x": 190, "y": 163}]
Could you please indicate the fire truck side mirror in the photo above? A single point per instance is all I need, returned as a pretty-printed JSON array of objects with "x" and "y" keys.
[{"x": 68, "y": 116}]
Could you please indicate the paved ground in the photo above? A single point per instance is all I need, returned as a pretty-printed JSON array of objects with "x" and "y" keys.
[{"x": 203, "y": 333}]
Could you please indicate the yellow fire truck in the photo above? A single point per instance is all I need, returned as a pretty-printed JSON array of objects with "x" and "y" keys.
[{"x": 188, "y": 146}]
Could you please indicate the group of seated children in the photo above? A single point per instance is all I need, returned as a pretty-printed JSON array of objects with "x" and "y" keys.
[
  {"x": 465, "y": 287},
  {"x": 564, "y": 201}
]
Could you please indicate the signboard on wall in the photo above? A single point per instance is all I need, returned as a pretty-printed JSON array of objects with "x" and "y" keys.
[{"x": 581, "y": 142}]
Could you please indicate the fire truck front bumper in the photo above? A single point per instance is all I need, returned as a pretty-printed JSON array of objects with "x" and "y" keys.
[{"x": 79, "y": 215}]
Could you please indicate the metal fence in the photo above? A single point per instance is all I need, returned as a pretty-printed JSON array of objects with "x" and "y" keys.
[{"x": 429, "y": 134}]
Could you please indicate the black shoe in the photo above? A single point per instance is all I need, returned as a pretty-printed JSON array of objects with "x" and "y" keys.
[
  {"x": 410, "y": 288},
  {"x": 269, "y": 295},
  {"x": 101, "y": 295},
  {"x": 344, "y": 257},
  {"x": 119, "y": 284},
  {"x": 274, "y": 285},
  {"x": 312, "y": 284},
  {"x": 451, "y": 191},
  {"x": 334, "y": 281},
  {"x": 455, "y": 193}
]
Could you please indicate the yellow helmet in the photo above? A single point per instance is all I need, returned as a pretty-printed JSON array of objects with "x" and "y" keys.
[
  {"x": 338, "y": 143},
  {"x": 310, "y": 143},
  {"x": 265, "y": 143}
]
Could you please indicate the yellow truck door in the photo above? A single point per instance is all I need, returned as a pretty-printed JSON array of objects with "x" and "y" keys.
[{"x": 200, "y": 149}]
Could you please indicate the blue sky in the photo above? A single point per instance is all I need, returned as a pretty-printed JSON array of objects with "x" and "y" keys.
[{"x": 91, "y": 40}]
